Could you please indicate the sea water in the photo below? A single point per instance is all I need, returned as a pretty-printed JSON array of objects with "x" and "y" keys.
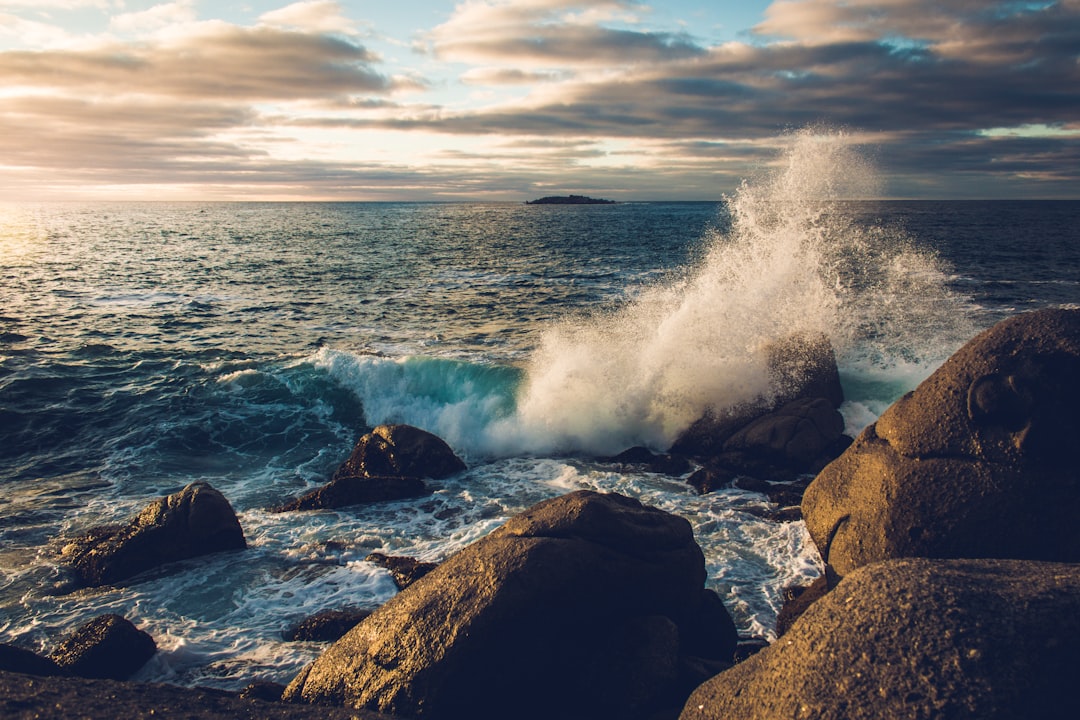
[{"x": 146, "y": 346}]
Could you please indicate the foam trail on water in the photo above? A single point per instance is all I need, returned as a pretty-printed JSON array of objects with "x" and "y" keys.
[{"x": 790, "y": 263}]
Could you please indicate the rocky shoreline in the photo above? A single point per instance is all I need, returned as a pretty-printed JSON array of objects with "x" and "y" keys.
[{"x": 947, "y": 527}]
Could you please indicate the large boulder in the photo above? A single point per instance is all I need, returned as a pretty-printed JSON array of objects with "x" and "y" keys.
[
  {"x": 978, "y": 461},
  {"x": 800, "y": 367},
  {"x": 196, "y": 521},
  {"x": 401, "y": 450},
  {"x": 583, "y": 606},
  {"x": 918, "y": 638},
  {"x": 107, "y": 647}
]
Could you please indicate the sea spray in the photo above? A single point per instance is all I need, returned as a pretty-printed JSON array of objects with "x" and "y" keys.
[{"x": 792, "y": 263}]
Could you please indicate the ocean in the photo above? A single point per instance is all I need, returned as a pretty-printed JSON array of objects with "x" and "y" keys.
[{"x": 144, "y": 346}]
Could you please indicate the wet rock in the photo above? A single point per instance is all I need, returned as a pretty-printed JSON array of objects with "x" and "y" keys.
[
  {"x": 577, "y": 608},
  {"x": 349, "y": 490},
  {"x": 324, "y": 626},
  {"x": 797, "y": 600},
  {"x": 107, "y": 647},
  {"x": 800, "y": 367},
  {"x": 662, "y": 464},
  {"x": 917, "y": 638},
  {"x": 263, "y": 690},
  {"x": 196, "y": 521},
  {"x": 404, "y": 570},
  {"x": 17, "y": 659},
  {"x": 795, "y": 436},
  {"x": 978, "y": 461},
  {"x": 401, "y": 450}
]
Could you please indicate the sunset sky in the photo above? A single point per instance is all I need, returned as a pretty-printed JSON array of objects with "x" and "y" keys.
[{"x": 500, "y": 100}]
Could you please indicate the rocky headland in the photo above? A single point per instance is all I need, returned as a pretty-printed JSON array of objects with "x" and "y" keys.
[{"x": 948, "y": 529}]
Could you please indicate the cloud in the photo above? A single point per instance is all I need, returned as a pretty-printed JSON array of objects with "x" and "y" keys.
[
  {"x": 508, "y": 76},
  {"x": 321, "y": 16},
  {"x": 154, "y": 18},
  {"x": 580, "y": 92},
  {"x": 553, "y": 33},
  {"x": 213, "y": 60}
]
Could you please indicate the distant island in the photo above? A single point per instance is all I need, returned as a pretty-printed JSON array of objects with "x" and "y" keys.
[{"x": 569, "y": 200}]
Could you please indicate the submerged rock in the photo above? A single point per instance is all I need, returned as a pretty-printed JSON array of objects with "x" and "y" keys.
[
  {"x": 107, "y": 647},
  {"x": 978, "y": 461},
  {"x": 583, "y": 606},
  {"x": 917, "y": 638},
  {"x": 196, "y": 521}
]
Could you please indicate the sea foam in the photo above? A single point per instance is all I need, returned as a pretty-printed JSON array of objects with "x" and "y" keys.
[{"x": 791, "y": 263}]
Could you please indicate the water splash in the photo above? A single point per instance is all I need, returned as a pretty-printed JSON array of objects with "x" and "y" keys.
[{"x": 792, "y": 262}]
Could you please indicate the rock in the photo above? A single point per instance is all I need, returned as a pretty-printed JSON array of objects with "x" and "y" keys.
[
  {"x": 800, "y": 367},
  {"x": 16, "y": 659},
  {"x": 263, "y": 690},
  {"x": 107, "y": 647},
  {"x": 404, "y": 570},
  {"x": 577, "y": 608},
  {"x": 660, "y": 464},
  {"x": 804, "y": 366},
  {"x": 795, "y": 436},
  {"x": 324, "y": 626},
  {"x": 347, "y": 490},
  {"x": 401, "y": 450},
  {"x": 979, "y": 461},
  {"x": 797, "y": 600},
  {"x": 917, "y": 638},
  {"x": 26, "y": 697},
  {"x": 196, "y": 521},
  {"x": 712, "y": 477}
]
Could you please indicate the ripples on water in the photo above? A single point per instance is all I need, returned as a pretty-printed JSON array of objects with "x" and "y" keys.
[{"x": 144, "y": 346}]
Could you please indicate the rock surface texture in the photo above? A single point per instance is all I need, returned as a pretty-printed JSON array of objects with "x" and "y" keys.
[
  {"x": 583, "y": 606},
  {"x": 979, "y": 461},
  {"x": 196, "y": 521},
  {"x": 107, "y": 647},
  {"x": 388, "y": 463},
  {"x": 918, "y": 638},
  {"x": 796, "y": 429},
  {"x": 400, "y": 450}
]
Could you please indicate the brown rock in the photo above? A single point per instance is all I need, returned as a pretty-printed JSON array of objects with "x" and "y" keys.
[
  {"x": 401, "y": 450},
  {"x": 404, "y": 570},
  {"x": 978, "y": 461},
  {"x": 576, "y": 608},
  {"x": 917, "y": 638},
  {"x": 793, "y": 436},
  {"x": 17, "y": 659},
  {"x": 107, "y": 647},
  {"x": 196, "y": 521},
  {"x": 347, "y": 490},
  {"x": 324, "y": 626},
  {"x": 26, "y": 697},
  {"x": 800, "y": 367}
]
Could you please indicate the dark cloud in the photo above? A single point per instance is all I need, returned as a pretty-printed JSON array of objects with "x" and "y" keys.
[{"x": 617, "y": 109}]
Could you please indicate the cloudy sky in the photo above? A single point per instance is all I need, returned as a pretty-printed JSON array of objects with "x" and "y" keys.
[{"x": 509, "y": 100}]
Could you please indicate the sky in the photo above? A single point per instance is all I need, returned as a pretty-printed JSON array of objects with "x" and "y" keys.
[{"x": 513, "y": 100}]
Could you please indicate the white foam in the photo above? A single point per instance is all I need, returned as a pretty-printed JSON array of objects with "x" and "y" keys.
[{"x": 791, "y": 263}]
